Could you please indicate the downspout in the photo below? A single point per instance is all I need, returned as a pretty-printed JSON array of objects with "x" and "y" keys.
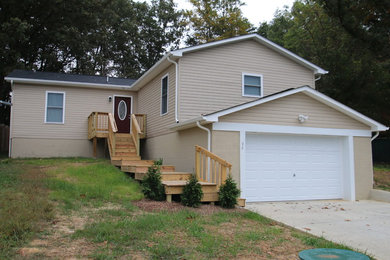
[
  {"x": 319, "y": 77},
  {"x": 10, "y": 121},
  {"x": 208, "y": 135},
  {"x": 375, "y": 136},
  {"x": 176, "y": 86},
  {"x": 208, "y": 146}
]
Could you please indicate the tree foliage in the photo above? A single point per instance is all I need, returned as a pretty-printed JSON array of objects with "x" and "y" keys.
[
  {"x": 228, "y": 193},
  {"x": 213, "y": 20},
  {"x": 106, "y": 37},
  {"x": 358, "y": 76},
  {"x": 152, "y": 186}
]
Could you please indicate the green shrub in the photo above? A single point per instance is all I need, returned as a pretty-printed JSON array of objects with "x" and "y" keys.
[
  {"x": 228, "y": 193},
  {"x": 192, "y": 193},
  {"x": 152, "y": 187}
]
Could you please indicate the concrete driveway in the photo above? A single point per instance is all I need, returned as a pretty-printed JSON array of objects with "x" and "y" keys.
[{"x": 364, "y": 225}]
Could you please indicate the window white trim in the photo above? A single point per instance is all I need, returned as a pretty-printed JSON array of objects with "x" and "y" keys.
[
  {"x": 243, "y": 84},
  {"x": 161, "y": 92},
  {"x": 63, "y": 107}
]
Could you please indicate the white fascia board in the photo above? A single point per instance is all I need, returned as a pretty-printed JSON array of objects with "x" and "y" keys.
[
  {"x": 65, "y": 83},
  {"x": 260, "y": 39},
  {"x": 375, "y": 126},
  {"x": 188, "y": 123},
  {"x": 281, "y": 129},
  {"x": 152, "y": 72}
]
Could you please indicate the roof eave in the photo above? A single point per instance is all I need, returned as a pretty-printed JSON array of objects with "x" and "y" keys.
[{"x": 66, "y": 83}]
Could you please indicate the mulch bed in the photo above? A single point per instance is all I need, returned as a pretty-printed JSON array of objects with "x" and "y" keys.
[{"x": 203, "y": 209}]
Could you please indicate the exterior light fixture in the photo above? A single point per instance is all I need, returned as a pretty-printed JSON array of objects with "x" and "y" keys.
[
  {"x": 302, "y": 118},
  {"x": 109, "y": 99}
]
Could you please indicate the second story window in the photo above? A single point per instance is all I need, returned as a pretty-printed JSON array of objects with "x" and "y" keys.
[
  {"x": 252, "y": 85},
  {"x": 164, "y": 95}
]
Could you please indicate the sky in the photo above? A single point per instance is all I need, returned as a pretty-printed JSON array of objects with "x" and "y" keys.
[{"x": 256, "y": 11}]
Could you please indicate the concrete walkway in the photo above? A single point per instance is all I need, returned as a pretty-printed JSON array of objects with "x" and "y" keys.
[{"x": 364, "y": 225}]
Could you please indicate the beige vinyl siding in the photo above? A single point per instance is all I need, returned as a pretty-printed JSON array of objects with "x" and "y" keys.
[
  {"x": 28, "y": 111},
  {"x": 177, "y": 148},
  {"x": 149, "y": 100},
  {"x": 226, "y": 144},
  {"x": 43, "y": 147},
  {"x": 285, "y": 111},
  {"x": 363, "y": 167},
  {"x": 211, "y": 79}
]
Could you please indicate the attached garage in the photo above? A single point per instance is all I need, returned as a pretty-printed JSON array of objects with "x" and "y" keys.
[
  {"x": 296, "y": 145},
  {"x": 293, "y": 167}
]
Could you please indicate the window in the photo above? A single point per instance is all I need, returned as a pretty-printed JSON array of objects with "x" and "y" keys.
[
  {"x": 55, "y": 103},
  {"x": 252, "y": 85},
  {"x": 164, "y": 95}
]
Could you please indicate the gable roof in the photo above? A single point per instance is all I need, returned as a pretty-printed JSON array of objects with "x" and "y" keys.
[
  {"x": 214, "y": 116},
  {"x": 52, "y": 78},
  {"x": 164, "y": 62}
]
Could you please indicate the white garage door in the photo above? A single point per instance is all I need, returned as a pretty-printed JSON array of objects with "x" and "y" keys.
[{"x": 292, "y": 167}]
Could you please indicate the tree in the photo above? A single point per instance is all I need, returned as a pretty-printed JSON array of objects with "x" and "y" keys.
[
  {"x": 105, "y": 37},
  {"x": 357, "y": 76},
  {"x": 213, "y": 20}
]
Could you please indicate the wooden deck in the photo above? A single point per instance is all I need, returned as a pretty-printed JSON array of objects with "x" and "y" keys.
[{"x": 125, "y": 154}]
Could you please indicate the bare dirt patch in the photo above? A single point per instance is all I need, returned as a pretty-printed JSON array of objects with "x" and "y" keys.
[
  {"x": 57, "y": 243},
  {"x": 382, "y": 178},
  {"x": 158, "y": 206}
]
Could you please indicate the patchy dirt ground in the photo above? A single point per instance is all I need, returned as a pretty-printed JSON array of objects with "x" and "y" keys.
[
  {"x": 382, "y": 178},
  {"x": 157, "y": 206}
]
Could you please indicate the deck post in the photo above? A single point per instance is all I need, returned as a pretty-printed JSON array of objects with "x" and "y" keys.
[
  {"x": 169, "y": 198},
  {"x": 95, "y": 147}
]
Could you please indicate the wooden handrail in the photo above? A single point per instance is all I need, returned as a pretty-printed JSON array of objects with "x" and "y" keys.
[
  {"x": 141, "y": 120},
  {"x": 210, "y": 167},
  {"x": 97, "y": 124},
  {"x": 135, "y": 133},
  {"x": 112, "y": 129}
]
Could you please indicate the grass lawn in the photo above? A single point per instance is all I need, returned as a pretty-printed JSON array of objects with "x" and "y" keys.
[
  {"x": 84, "y": 208},
  {"x": 382, "y": 177}
]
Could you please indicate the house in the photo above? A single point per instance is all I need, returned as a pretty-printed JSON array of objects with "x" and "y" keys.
[{"x": 248, "y": 101}]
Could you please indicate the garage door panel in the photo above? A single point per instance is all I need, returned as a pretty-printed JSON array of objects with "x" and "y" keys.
[{"x": 292, "y": 167}]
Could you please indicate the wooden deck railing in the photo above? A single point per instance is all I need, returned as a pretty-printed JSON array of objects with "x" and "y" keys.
[
  {"x": 98, "y": 125},
  {"x": 112, "y": 129},
  {"x": 210, "y": 167},
  {"x": 135, "y": 133},
  {"x": 141, "y": 120}
]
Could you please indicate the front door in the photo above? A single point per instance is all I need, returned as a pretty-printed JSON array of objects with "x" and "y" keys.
[{"x": 122, "y": 113}]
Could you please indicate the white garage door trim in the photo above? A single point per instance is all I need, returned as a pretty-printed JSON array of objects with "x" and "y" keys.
[
  {"x": 349, "y": 171},
  {"x": 283, "y": 167},
  {"x": 346, "y": 134}
]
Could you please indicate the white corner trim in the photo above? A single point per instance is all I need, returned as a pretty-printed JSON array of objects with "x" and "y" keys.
[
  {"x": 63, "y": 107},
  {"x": 351, "y": 168},
  {"x": 243, "y": 84},
  {"x": 242, "y": 163},
  {"x": 162, "y": 78},
  {"x": 280, "y": 129}
]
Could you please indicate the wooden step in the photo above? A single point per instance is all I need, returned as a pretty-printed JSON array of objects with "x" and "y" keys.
[
  {"x": 117, "y": 160},
  {"x": 125, "y": 150},
  {"x": 125, "y": 154},
  {"x": 176, "y": 187},
  {"x": 137, "y": 162},
  {"x": 140, "y": 171},
  {"x": 175, "y": 176},
  {"x": 123, "y": 135}
]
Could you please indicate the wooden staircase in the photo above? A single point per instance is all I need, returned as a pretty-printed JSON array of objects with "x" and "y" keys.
[{"x": 124, "y": 153}]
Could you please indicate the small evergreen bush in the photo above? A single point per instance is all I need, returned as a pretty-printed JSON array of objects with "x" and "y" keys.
[
  {"x": 152, "y": 187},
  {"x": 228, "y": 193},
  {"x": 192, "y": 193}
]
